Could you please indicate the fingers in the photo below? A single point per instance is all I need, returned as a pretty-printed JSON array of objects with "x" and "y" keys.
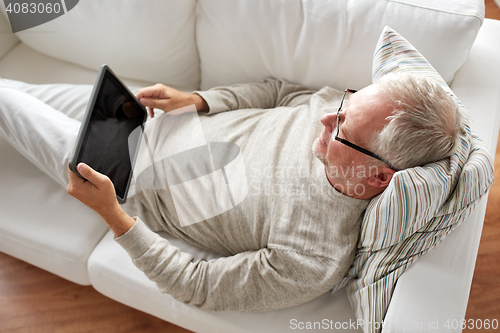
[
  {"x": 154, "y": 103},
  {"x": 153, "y": 91},
  {"x": 157, "y": 91},
  {"x": 151, "y": 111},
  {"x": 73, "y": 178},
  {"x": 142, "y": 94},
  {"x": 94, "y": 181},
  {"x": 164, "y": 98},
  {"x": 153, "y": 97},
  {"x": 97, "y": 192},
  {"x": 74, "y": 183},
  {"x": 91, "y": 175}
]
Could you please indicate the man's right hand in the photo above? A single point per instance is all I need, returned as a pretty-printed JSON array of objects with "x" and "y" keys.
[{"x": 168, "y": 99}]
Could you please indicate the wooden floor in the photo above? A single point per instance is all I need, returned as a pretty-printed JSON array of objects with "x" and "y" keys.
[{"x": 33, "y": 300}]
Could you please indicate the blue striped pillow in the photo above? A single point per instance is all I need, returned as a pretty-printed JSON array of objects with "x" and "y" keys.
[
  {"x": 394, "y": 53},
  {"x": 420, "y": 206}
]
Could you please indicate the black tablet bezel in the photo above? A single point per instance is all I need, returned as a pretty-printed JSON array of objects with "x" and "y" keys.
[{"x": 85, "y": 126}]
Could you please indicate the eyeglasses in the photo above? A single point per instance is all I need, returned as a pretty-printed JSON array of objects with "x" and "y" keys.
[{"x": 350, "y": 144}]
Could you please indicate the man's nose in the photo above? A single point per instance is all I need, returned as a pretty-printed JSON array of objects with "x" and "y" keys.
[{"x": 329, "y": 120}]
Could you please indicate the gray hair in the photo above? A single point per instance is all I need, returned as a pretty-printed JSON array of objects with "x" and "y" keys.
[{"x": 426, "y": 124}]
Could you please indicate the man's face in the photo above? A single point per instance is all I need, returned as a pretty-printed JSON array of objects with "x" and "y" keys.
[{"x": 363, "y": 116}]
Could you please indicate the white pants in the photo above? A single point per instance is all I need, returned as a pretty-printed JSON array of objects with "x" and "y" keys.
[{"x": 42, "y": 122}]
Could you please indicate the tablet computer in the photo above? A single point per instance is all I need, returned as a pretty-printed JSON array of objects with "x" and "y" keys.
[{"x": 110, "y": 132}]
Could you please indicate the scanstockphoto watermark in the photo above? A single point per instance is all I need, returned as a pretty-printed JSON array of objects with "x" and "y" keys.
[
  {"x": 291, "y": 171},
  {"x": 26, "y": 14},
  {"x": 302, "y": 189},
  {"x": 301, "y": 181},
  {"x": 329, "y": 324},
  {"x": 425, "y": 326}
]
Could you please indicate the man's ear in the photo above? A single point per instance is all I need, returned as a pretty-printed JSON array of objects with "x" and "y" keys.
[{"x": 382, "y": 178}]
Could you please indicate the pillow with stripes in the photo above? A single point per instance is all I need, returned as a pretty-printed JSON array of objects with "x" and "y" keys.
[{"x": 420, "y": 206}]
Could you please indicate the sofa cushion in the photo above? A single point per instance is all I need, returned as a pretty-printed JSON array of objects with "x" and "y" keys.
[
  {"x": 318, "y": 43},
  {"x": 7, "y": 41},
  {"x": 135, "y": 41},
  {"x": 24, "y": 64},
  {"x": 113, "y": 274},
  {"x": 40, "y": 223},
  {"x": 421, "y": 205}
]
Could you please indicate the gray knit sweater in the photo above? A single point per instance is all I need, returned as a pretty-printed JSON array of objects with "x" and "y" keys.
[{"x": 290, "y": 240}]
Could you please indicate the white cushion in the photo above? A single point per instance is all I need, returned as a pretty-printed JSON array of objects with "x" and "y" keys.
[
  {"x": 40, "y": 223},
  {"x": 112, "y": 273},
  {"x": 477, "y": 84},
  {"x": 153, "y": 42},
  {"x": 22, "y": 63},
  {"x": 7, "y": 41},
  {"x": 318, "y": 43}
]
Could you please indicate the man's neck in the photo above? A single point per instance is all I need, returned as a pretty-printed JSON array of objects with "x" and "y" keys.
[{"x": 356, "y": 191}]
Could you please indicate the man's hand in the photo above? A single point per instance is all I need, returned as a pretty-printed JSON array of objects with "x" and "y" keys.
[
  {"x": 168, "y": 99},
  {"x": 98, "y": 193}
]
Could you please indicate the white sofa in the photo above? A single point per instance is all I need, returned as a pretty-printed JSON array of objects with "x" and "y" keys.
[{"x": 192, "y": 45}]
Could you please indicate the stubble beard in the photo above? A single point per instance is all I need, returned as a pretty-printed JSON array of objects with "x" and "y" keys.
[
  {"x": 317, "y": 152},
  {"x": 333, "y": 171}
]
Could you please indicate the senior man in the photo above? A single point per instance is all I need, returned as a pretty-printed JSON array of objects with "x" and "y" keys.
[{"x": 281, "y": 248}]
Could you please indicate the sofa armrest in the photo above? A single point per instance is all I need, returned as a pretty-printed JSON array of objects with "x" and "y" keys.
[
  {"x": 7, "y": 39},
  {"x": 477, "y": 83},
  {"x": 432, "y": 295}
]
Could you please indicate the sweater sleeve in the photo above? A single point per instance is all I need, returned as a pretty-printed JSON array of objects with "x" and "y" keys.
[
  {"x": 269, "y": 93},
  {"x": 267, "y": 279}
]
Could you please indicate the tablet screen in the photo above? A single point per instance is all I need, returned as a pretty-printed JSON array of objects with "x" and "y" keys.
[{"x": 105, "y": 144}]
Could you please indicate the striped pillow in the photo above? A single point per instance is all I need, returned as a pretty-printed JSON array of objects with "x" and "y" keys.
[
  {"x": 420, "y": 206},
  {"x": 393, "y": 53}
]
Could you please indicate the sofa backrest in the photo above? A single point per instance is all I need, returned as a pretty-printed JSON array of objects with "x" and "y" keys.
[
  {"x": 219, "y": 42},
  {"x": 150, "y": 40},
  {"x": 326, "y": 42},
  {"x": 7, "y": 41}
]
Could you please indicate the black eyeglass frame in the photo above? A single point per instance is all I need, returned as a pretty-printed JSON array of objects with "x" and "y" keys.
[{"x": 352, "y": 145}]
